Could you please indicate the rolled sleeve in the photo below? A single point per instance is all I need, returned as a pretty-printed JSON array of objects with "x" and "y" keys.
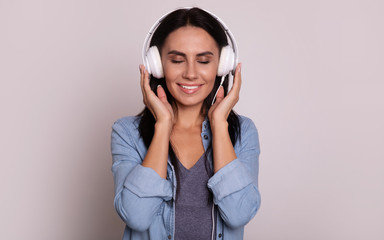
[
  {"x": 145, "y": 182},
  {"x": 231, "y": 178}
]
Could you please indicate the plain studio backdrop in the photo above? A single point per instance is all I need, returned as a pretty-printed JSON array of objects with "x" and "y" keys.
[{"x": 313, "y": 83}]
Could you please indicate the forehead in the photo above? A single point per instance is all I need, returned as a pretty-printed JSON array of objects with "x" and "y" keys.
[{"x": 190, "y": 39}]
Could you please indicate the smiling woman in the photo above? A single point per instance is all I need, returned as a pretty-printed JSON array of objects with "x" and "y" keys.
[
  {"x": 190, "y": 58},
  {"x": 187, "y": 166}
]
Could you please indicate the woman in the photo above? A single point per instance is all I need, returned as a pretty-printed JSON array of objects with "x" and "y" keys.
[{"x": 185, "y": 168}]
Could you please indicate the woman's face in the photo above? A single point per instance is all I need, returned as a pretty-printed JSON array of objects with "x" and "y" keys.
[{"x": 190, "y": 58}]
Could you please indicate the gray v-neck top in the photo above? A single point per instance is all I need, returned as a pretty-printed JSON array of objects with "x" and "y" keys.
[{"x": 194, "y": 203}]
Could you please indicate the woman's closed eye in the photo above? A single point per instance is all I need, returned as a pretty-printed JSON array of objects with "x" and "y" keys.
[
  {"x": 204, "y": 60},
  {"x": 176, "y": 61}
]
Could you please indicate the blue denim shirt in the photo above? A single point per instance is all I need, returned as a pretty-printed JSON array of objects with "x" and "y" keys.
[{"x": 145, "y": 201}]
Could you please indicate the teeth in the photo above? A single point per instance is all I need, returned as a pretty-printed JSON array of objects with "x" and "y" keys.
[{"x": 189, "y": 87}]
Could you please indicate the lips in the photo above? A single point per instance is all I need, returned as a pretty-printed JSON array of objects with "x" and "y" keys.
[{"x": 189, "y": 89}]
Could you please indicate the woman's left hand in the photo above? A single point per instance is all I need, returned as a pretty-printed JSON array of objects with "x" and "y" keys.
[{"x": 219, "y": 111}]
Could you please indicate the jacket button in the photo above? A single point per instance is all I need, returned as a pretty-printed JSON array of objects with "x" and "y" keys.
[
  {"x": 205, "y": 137},
  {"x": 169, "y": 236},
  {"x": 219, "y": 235}
]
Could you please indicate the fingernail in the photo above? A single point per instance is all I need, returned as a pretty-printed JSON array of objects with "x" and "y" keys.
[
  {"x": 240, "y": 67},
  {"x": 158, "y": 86}
]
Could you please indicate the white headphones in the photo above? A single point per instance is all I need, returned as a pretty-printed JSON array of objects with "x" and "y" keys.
[{"x": 228, "y": 56}]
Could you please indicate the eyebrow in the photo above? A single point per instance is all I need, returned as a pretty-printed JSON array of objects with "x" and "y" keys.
[{"x": 183, "y": 54}]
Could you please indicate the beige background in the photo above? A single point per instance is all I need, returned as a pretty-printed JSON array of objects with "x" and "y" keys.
[{"x": 312, "y": 82}]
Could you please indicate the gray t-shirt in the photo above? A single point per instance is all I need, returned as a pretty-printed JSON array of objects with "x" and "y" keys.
[{"x": 194, "y": 203}]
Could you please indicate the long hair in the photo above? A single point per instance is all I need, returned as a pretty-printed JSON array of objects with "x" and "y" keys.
[{"x": 180, "y": 18}]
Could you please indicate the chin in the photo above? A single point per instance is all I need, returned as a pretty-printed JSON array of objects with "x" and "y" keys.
[{"x": 189, "y": 102}]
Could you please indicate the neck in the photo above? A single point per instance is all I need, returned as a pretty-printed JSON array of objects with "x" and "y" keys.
[{"x": 189, "y": 117}]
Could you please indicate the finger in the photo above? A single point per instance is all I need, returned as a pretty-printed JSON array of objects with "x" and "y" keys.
[
  {"x": 220, "y": 94},
  {"x": 235, "y": 91},
  {"x": 161, "y": 94},
  {"x": 237, "y": 80},
  {"x": 147, "y": 87},
  {"x": 148, "y": 93},
  {"x": 142, "y": 80}
]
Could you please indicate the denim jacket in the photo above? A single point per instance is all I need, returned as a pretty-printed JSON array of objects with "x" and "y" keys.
[{"x": 145, "y": 201}]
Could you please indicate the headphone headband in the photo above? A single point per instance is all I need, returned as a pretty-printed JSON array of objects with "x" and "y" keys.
[{"x": 228, "y": 33}]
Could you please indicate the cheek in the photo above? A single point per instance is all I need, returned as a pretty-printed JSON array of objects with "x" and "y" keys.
[
  {"x": 171, "y": 72},
  {"x": 171, "y": 86},
  {"x": 168, "y": 84},
  {"x": 210, "y": 75},
  {"x": 212, "y": 70}
]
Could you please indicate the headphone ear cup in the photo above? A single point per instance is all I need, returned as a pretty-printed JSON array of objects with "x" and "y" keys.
[
  {"x": 226, "y": 62},
  {"x": 153, "y": 62}
]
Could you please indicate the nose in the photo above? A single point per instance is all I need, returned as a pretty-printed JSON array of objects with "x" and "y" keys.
[{"x": 190, "y": 71}]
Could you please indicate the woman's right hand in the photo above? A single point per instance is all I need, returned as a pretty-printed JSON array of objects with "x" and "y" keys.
[{"x": 158, "y": 105}]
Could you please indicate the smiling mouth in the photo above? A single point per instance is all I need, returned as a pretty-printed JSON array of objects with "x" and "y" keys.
[{"x": 189, "y": 87}]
